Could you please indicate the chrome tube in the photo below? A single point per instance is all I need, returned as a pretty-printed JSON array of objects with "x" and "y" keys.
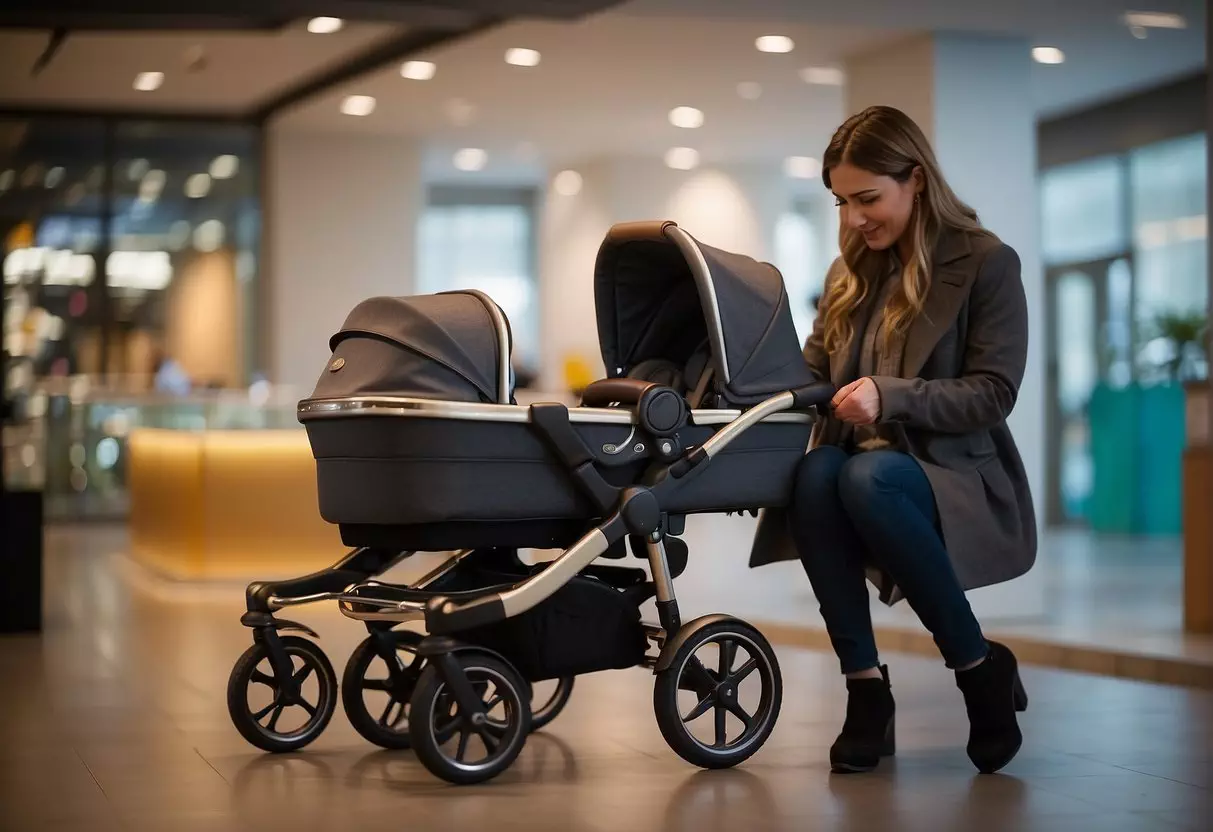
[
  {"x": 660, "y": 565},
  {"x": 540, "y": 587},
  {"x": 707, "y": 293},
  {"x": 720, "y": 440}
]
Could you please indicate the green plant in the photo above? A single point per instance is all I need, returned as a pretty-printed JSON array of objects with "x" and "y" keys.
[{"x": 1188, "y": 335}]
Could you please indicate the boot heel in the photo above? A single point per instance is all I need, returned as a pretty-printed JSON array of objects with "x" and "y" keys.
[
  {"x": 1019, "y": 695},
  {"x": 889, "y": 747}
]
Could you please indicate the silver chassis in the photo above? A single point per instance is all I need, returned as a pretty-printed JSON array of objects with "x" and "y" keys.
[
  {"x": 538, "y": 588},
  {"x": 402, "y": 407}
]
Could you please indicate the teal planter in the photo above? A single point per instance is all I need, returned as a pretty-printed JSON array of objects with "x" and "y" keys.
[{"x": 1137, "y": 441}]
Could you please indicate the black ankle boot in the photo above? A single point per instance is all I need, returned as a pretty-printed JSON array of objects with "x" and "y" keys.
[
  {"x": 993, "y": 693},
  {"x": 867, "y": 734}
]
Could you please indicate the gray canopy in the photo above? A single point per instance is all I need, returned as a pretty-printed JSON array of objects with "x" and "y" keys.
[
  {"x": 660, "y": 294},
  {"x": 453, "y": 346}
]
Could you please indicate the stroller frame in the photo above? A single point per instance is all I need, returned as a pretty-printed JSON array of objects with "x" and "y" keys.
[{"x": 449, "y": 676}]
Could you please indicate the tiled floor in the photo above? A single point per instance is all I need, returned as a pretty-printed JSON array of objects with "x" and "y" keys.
[{"x": 114, "y": 719}]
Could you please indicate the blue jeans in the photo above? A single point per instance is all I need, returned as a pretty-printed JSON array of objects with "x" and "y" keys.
[{"x": 877, "y": 508}]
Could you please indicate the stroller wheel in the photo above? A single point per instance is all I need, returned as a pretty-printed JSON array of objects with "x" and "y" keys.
[
  {"x": 376, "y": 693},
  {"x": 461, "y": 747},
  {"x": 714, "y": 707},
  {"x": 276, "y": 714},
  {"x": 543, "y": 714}
]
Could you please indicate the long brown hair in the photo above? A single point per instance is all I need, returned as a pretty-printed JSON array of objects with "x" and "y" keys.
[{"x": 885, "y": 141}]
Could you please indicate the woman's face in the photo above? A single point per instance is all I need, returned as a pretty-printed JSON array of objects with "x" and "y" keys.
[{"x": 877, "y": 206}]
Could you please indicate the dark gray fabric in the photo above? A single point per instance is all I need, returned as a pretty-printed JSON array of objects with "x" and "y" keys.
[
  {"x": 441, "y": 346},
  {"x": 878, "y": 357},
  {"x": 964, "y": 360},
  {"x": 648, "y": 306}
]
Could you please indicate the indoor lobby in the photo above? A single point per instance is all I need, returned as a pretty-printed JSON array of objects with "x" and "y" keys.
[{"x": 194, "y": 206}]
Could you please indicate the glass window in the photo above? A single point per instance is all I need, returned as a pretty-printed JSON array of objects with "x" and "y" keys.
[
  {"x": 795, "y": 259},
  {"x": 485, "y": 243},
  {"x": 1170, "y": 224},
  {"x": 1083, "y": 211},
  {"x": 51, "y": 211},
  {"x": 183, "y": 255}
]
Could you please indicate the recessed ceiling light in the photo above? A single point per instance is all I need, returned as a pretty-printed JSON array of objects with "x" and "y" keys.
[
  {"x": 225, "y": 166},
  {"x": 1048, "y": 55},
  {"x": 470, "y": 159},
  {"x": 687, "y": 117},
  {"x": 1138, "y": 32},
  {"x": 682, "y": 158},
  {"x": 7, "y": 178},
  {"x": 198, "y": 185},
  {"x": 418, "y": 70},
  {"x": 149, "y": 81},
  {"x": 1156, "y": 20},
  {"x": 567, "y": 183},
  {"x": 750, "y": 90},
  {"x": 801, "y": 167},
  {"x": 54, "y": 176},
  {"x": 358, "y": 105},
  {"x": 325, "y": 25},
  {"x": 778, "y": 44},
  {"x": 827, "y": 76},
  {"x": 522, "y": 57}
]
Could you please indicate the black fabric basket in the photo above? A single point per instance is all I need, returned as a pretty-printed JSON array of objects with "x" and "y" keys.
[{"x": 584, "y": 627}]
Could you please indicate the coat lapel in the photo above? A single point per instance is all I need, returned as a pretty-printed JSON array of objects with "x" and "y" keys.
[{"x": 946, "y": 294}]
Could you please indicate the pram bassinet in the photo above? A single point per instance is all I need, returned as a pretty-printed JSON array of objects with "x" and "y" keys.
[{"x": 419, "y": 444}]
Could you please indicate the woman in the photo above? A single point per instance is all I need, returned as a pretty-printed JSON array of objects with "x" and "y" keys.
[{"x": 914, "y": 480}]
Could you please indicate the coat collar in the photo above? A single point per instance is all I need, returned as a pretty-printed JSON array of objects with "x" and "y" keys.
[{"x": 950, "y": 276}]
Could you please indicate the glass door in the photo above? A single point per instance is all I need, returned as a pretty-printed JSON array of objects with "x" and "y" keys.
[{"x": 1089, "y": 343}]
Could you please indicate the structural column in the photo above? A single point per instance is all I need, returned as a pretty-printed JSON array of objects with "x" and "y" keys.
[
  {"x": 971, "y": 95},
  {"x": 341, "y": 220}
]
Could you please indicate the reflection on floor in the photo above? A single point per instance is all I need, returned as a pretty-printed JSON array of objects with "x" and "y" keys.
[{"x": 115, "y": 719}]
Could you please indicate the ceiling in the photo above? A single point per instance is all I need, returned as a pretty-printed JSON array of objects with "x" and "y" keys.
[
  {"x": 605, "y": 83},
  {"x": 96, "y": 70}
]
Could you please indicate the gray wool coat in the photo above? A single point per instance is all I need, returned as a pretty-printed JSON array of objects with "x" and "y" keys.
[{"x": 963, "y": 363}]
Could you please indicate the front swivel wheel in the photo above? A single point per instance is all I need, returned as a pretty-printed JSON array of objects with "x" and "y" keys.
[
  {"x": 740, "y": 695},
  {"x": 469, "y": 746},
  {"x": 282, "y": 713}
]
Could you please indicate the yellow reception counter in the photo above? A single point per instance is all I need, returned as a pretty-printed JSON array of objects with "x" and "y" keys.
[{"x": 226, "y": 504}]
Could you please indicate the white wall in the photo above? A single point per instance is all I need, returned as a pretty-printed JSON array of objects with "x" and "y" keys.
[
  {"x": 901, "y": 75},
  {"x": 341, "y": 218}
]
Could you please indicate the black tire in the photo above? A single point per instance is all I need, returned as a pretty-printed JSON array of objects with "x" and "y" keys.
[
  {"x": 435, "y": 720},
  {"x": 542, "y": 715},
  {"x": 391, "y": 728},
  {"x": 245, "y": 673},
  {"x": 687, "y": 672}
]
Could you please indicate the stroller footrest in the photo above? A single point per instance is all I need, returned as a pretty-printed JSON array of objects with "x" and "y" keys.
[{"x": 396, "y": 593}]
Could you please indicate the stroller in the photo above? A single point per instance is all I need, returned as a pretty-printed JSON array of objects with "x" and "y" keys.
[{"x": 420, "y": 446}]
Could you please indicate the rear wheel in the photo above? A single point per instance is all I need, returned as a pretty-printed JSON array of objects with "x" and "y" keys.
[
  {"x": 542, "y": 713},
  {"x": 740, "y": 695},
  {"x": 375, "y": 691}
]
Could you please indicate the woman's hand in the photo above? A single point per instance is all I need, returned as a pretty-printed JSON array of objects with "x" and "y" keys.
[{"x": 858, "y": 403}]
